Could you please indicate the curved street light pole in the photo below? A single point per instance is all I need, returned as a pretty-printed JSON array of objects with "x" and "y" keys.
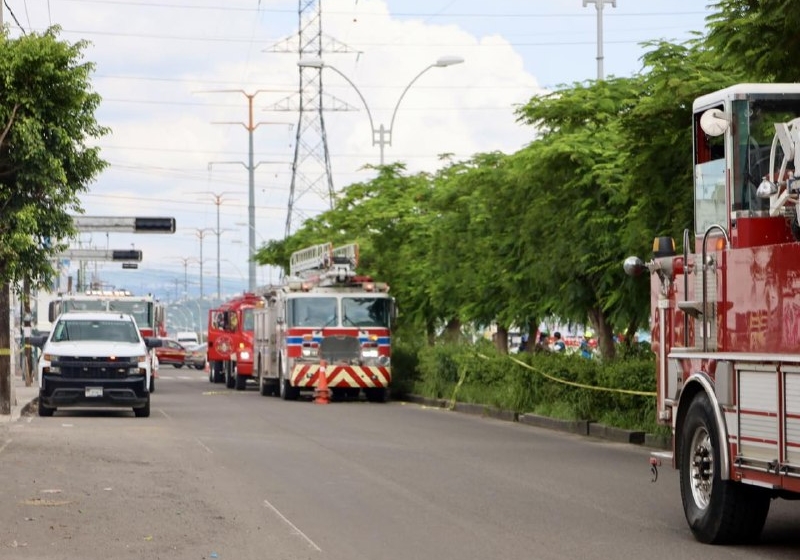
[{"x": 381, "y": 135}]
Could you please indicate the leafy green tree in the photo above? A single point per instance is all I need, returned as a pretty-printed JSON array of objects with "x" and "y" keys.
[
  {"x": 756, "y": 38},
  {"x": 47, "y": 119}
]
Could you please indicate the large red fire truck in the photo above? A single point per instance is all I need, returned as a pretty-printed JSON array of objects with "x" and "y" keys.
[
  {"x": 230, "y": 341},
  {"x": 149, "y": 313},
  {"x": 325, "y": 314},
  {"x": 726, "y": 315}
]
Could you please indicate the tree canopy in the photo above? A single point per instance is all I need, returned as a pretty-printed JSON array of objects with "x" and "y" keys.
[{"x": 47, "y": 119}]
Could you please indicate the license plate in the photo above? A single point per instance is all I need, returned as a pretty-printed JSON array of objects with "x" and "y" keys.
[{"x": 94, "y": 391}]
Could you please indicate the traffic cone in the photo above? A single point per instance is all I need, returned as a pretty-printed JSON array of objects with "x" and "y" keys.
[{"x": 322, "y": 394}]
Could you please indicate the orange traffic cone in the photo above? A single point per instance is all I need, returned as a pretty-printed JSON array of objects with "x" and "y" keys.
[{"x": 322, "y": 394}]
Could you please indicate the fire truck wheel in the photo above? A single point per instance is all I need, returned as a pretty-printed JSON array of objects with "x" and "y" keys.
[
  {"x": 240, "y": 381},
  {"x": 286, "y": 391},
  {"x": 230, "y": 380},
  {"x": 718, "y": 511},
  {"x": 143, "y": 412},
  {"x": 265, "y": 388}
]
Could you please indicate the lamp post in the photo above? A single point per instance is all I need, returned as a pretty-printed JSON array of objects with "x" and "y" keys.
[
  {"x": 381, "y": 136},
  {"x": 186, "y": 261}
]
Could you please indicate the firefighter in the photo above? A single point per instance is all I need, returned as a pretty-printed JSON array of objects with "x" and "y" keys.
[
  {"x": 558, "y": 344},
  {"x": 542, "y": 344}
]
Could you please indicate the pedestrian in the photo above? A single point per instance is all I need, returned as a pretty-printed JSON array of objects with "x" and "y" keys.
[
  {"x": 585, "y": 348},
  {"x": 558, "y": 344},
  {"x": 542, "y": 344}
]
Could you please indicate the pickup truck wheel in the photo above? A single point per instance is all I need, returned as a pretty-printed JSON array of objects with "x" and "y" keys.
[
  {"x": 718, "y": 511},
  {"x": 144, "y": 411},
  {"x": 152, "y": 387},
  {"x": 45, "y": 410}
]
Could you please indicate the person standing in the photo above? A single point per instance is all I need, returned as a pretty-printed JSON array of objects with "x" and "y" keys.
[
  {"x": 585, "y": 348},
  {"x": 558, "y": 344}
]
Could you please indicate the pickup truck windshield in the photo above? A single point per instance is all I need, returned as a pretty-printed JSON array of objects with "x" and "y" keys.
[{"x": 77, "y": 330}]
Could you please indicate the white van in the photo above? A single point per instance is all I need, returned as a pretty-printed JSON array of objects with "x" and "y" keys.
[{"x": 187, "y": 337}]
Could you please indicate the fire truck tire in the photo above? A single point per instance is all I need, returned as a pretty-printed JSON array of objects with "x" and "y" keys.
[
  {"x": 285, "y": 390},
  {"x": 375, "y": 394},
  {"x": 718, "y": 511},
  {"x": 143, "y": 412},
  {"x": 230, "y": 380},
  {"x": 240, "y": 381}
]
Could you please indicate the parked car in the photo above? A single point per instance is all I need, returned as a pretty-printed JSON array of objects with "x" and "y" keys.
[
  {"x": 196, "y": 356},
  {"x": 171, "y": 353}
]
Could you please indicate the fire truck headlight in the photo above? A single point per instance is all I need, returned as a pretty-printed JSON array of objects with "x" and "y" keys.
[
  {"x": 368, "y": 353},
  {"x": 310, "y": 352},
  {"x": 384, "y": 361},
  {"x": 245, "y": 355}
]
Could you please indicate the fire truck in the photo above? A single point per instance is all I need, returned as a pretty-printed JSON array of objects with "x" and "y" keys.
[
  {"x": 150, "y": 314},
  {"x": 325, "y": 319},
  {"x": 725, "y": 317},
  {"x": 230, "y": 341}
]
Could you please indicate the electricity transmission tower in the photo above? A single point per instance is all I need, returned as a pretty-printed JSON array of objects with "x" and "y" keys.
[{"x": 311, "y": 167}]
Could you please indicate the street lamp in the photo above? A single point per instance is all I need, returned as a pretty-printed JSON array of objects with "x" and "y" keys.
[{"x": 381, "y": 135}]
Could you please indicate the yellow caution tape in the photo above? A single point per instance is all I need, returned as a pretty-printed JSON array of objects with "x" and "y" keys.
[
  {"x": 574, "y": 384},
  {"x": 5, "y": 351}
]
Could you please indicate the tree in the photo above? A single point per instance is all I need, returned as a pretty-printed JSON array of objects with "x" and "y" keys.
[
  {"x": 756, "y": 38},
  {"x": 47, "y": 118}
]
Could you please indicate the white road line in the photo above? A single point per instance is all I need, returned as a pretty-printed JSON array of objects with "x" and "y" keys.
[
  {"x": 167, "y": 416},
  {"x": 5, "y": 445},
  {"x": 203, "y": 445},
  {"x": 292, "y": 525}
]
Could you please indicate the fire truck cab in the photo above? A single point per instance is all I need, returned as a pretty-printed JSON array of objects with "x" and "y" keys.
[
  {"x": 725, "y": 315},
  {"x": 230, "y": 341},
  {"x": 325, "y": 320}
]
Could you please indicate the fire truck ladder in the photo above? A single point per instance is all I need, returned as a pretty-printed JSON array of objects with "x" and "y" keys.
[{"x": 325, "y": 264}]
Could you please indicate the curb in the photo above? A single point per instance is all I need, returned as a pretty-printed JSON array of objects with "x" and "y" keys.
[{"x": 588, "y": 428}]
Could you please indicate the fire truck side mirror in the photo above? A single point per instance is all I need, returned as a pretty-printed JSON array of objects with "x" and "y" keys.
[
  {"x": 634, "y": 266},
  {"x": 714, "y": 122}
]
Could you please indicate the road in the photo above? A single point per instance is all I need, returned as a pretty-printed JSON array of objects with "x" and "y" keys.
[{"x": 216, "y": 473}]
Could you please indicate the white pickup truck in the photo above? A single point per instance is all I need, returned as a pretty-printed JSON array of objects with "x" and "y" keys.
[{"x": 94, "y": 359}]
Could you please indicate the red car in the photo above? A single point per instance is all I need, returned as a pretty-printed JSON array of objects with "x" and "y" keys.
[{"x": 171, "y": 352}]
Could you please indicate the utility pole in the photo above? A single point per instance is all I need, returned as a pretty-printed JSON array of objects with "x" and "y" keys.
[
  {"x": 599, "y": 4},
  {"x": 218, "y": 200},
  {"x": 250, "y": 126}
]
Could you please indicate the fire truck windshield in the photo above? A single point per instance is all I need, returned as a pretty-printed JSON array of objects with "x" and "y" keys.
[
  {"x": 312, "y": 312},
  {"x": 141, "y": 311},
  {"x": 366, "y": 312}
]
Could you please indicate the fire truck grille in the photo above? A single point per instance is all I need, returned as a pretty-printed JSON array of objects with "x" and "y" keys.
[
  {"x": 339, "y": 348},
  {"x": 94, "y": 368}
]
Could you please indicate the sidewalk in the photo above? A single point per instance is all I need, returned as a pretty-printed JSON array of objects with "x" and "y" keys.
[{"x": 22, "y": 398}]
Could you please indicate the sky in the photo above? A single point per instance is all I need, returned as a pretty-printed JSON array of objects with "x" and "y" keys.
[{"x": 176, "y": 77}]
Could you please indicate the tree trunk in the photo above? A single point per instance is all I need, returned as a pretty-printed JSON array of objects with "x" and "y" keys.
[
  {"x": 5, "y": 348},
  {"x": 501, "y": 339},
  {"x": 452, "y": 332},
  {"x": 604, "y": 334}
]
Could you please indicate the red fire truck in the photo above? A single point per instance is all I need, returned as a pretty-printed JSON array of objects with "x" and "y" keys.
[
  {"x": 726, "y": 315},
  {"x": 230, "y": 341},
  {"x": 325, "y": 313}
]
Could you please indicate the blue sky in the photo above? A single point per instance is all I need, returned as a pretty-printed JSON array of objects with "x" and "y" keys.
[{"x": 179, "y": 144}]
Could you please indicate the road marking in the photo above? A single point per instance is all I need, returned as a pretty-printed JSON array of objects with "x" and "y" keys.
[
  {"x": 167, "y": 416},
  {"x": 292, "y": 525},
  {"x": 204, "y": 446},
  {"x": 5, "y": 445}
]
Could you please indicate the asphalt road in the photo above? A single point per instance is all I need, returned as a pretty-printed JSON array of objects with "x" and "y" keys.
[{"x": 216, "y": 473}]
